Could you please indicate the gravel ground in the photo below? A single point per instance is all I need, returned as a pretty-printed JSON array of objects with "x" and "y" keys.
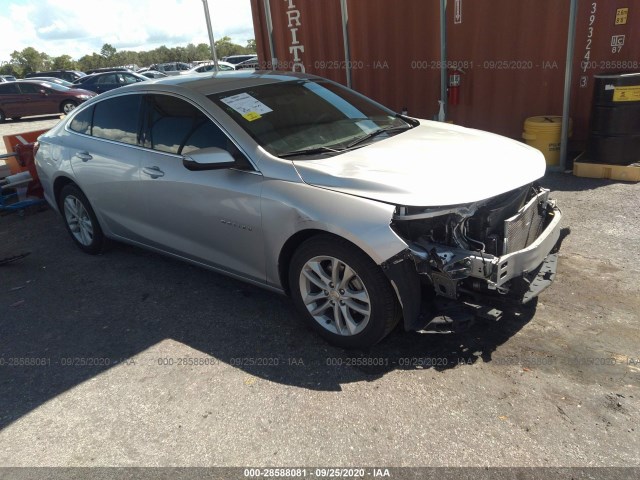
[{"x": 152, "y": 362}]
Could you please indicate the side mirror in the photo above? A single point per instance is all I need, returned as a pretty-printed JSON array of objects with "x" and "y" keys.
[{"x": 208, "y": 159}]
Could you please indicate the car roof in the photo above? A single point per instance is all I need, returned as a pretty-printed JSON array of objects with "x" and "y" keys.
[
  {"x": 34, "y": 80},
  {"x": 214, "y": 82},
  {"x": 110, "y": 72}
]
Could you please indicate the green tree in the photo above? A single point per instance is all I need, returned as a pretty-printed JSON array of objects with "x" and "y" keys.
[
  {"x": 30, "y": 60},
  {"x": 91, "y": 61},
  {"x": 64, "y": 62},
  {"x": 10, "y": 69},
  {"x": 126, "y": 58},
  {"x": 203, "y": 51},
  {"x": 107, "y": 51},
  {"x": 251, "y": 46},
  {"x": 224, "y": 47}
]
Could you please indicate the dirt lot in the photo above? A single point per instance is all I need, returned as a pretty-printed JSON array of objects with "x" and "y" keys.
[{"x": 136, "y": 359}]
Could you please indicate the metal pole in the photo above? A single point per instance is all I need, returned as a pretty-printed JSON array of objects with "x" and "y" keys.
[
  {"x": 443, "y": 54},
  {"x": 568, "y": 72},
  {"x": 210, "y": 30},
  {"x": 345, "y": 37},
  {"x": 267, "y": 16}
]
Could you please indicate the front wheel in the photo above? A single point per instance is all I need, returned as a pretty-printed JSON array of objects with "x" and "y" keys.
[
  {"x": 67, "y": 106},
  {"x": 342, "y": 293},
  {"x": 80, "y": 220}
]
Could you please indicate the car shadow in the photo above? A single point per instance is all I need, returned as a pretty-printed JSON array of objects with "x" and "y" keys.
[
  {"x": 59, "y": 307},
  {"x": 567, "y": 182}
]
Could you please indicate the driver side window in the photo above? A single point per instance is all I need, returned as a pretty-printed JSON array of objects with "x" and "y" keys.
[
  {"x": 30, "y": 88},
  {"x": 175, "y": 126}
]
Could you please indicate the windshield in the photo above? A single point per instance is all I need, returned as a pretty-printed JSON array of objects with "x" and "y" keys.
[
  {"x": 308, "y": 117},
  {"x": 55, "y": 86}
]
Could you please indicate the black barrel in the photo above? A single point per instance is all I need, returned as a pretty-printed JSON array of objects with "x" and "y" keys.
[{"x": 614, "y": 126}]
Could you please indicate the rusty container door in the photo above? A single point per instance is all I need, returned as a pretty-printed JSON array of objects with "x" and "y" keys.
[
  {"x": 395, "y": 53},
  {"x": 513, "y": 57},
  {"x": 307, "y": 36}
]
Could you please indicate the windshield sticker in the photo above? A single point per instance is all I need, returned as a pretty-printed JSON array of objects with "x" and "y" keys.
[
  {"x": 251, "y": 116},
  {"x": 249, "y": 107}
]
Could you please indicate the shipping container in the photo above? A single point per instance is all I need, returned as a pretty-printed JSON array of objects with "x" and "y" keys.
[{"x": 510, "y": 55}]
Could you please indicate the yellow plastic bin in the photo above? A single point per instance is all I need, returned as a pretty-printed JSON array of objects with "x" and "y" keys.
[{"x": 544, "y": 133}]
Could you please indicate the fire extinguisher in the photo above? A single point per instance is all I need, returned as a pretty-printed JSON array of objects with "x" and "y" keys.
[{"x": 454, "y": 86}]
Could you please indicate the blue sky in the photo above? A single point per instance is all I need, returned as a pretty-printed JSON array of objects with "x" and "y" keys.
[{"x": 80, "y": 27}]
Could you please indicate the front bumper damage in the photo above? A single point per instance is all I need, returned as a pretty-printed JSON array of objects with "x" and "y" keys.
[{"x": 427, "y": 270}]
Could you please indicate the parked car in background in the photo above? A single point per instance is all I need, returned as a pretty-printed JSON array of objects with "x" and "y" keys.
[
  {"x": 69, "y": 75},
  {"x": 303, "y": 186},
  {"x": 7, "y": 78},
  {"x": 35, "y": 97},
  {"x": 109, "y": 69},
  {"x": 103, "y": 82},
  {"x": 250, "y": 64},
  {"x": 170, "y": 68},
  {"x": 235, "y": 59},
  {"x": 59, "y": 81},
  {"x": 210, "y": 67},
  {"x": 152, "y": 74}
]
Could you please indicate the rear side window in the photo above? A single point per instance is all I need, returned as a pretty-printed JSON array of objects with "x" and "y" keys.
[
  {"x": 109, "y": 79},
  {"x": 81, "y": 123},
  {"x": 118, "y": 119},
  {"x": 175, "y": 126},
  {"x": 9, "y": 88}
]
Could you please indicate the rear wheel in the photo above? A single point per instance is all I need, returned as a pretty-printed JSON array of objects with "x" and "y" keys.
[
  {"x": 67, "y": 106},
  {"x": 2, "y": 116},
  {"x": 342, "y": 293},
  {"x": 80, "y": 220}
]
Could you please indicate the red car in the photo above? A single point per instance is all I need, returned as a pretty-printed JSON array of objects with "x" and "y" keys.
[{"x": 32, "y": 97}]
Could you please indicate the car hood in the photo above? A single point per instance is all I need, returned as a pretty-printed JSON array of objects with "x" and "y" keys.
[{"x": 430, "y": 165}]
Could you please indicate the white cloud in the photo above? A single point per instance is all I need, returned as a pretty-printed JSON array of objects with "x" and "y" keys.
[{"x": 81, "y": 27}]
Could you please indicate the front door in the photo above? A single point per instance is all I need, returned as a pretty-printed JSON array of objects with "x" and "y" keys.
[{"x": 210, "y": 216}]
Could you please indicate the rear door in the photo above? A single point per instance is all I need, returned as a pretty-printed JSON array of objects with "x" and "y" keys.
[
  {"x": 106, "y": 82},
  {"x": 105, "y": 158},
  {"x": 10, "y": 98}
]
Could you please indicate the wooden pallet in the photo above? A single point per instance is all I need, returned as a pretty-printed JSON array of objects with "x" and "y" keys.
[{"x": 625, "y": 173}]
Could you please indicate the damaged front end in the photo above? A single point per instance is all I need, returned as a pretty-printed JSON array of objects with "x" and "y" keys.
[{"x": 496, "y": 251}]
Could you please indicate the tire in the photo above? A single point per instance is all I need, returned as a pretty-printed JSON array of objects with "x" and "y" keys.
[
  {"x": 366, "y": 308},
  {"x": 80, "y": 220},
  {"x": 67, "y": 106},
  {"x": 2, "y": 116}
]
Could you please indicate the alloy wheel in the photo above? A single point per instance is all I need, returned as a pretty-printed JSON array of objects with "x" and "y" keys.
[
  {"x": 335, "y": 295},
  {"x": 78, "y": 220}
]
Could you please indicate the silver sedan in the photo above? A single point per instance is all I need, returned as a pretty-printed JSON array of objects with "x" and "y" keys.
[{"x": 302, "y": 186}]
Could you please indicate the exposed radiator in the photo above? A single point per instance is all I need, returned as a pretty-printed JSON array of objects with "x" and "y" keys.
[{"x": 524, "y": 227}]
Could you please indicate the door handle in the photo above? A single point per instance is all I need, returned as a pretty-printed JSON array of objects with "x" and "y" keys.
[
  {"x": 84, "y": 156},
  {"x": 153, "y": 172}
]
